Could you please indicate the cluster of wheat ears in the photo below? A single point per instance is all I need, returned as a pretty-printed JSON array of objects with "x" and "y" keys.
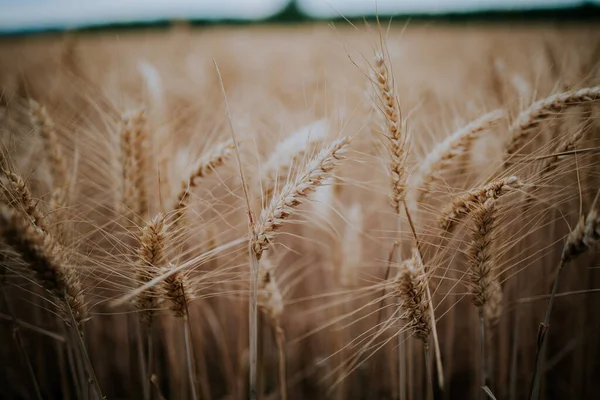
[{"x": 179, "y": 243}]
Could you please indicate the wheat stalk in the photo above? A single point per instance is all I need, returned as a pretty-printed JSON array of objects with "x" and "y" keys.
[
  {"x": 585, "y": 234},
  {"x": 531, "y": 117},
  {"x": 133, "y": 139},
  {"x": 214, "y": 158},
  {"x": 44, "y": 125},
  {"x": 290, "y": 197},
  {"x": 150, "y": 263},
  {"x": 396, "y": 130},
  {"x": 398, "y": 139},
  {"x": 411, "y": 288},
  {"x": 19, "y": 192},
  {"x": 445, "y": 151},
  {"x": 462, "y": 205},
  {"x": 38, "y": 249},
  {"x": 485, "y": 288}
]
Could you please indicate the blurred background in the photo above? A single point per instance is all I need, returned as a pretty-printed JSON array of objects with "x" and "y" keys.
[{"x": 17, "y": 16}]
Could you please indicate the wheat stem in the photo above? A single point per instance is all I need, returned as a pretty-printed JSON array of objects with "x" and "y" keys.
[
  {"x": 583, "y": 236},
  {"x": 542, "y": 109}
]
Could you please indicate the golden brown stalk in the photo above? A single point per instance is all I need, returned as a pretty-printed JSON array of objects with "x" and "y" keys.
[
  {"x": 396, "y": 130},
  {"x": 290, "y": 197},
  {"x": 585, "y": 234},
  {"x": 445, "y": 151},
  {"x": 484, "y": 282},
  {"x": 45, "y": 127},
  {"x": 214, "y": 158},
  {"x": 151, "y": 262},
  {"x": 40, "y": 252},
  {"x": 411, "y": 288},
  {"x": 462, "y": 205},
  {"x": 176, "y": 289},
  {"x": 485, "y": 287},
  {"x": 134, "y": 138},
  {"x": 542, "y": 109},
  {"x": 19, "y": 193}
]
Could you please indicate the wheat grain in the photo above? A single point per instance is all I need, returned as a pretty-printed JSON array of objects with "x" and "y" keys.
[
  {"x": 462, "y": 205},
  {"x": 177, "y": 289},
  {"x": 531, "y": 117},
  {"x": 411, "y": 288},
  {"x": 396, "y": 129},
  {"x": 445, "y": 151},
  {"x": 214, "y": 158},
  {"x": 485, "y": 288},
  {"x": 585, "y": 234},
  {"x": 44, "y": 125},
  {"x": 41, "y": 253},
  {"x": 19, "y": 192},
  {"x": 151, "y": 263},
  {"x": 290, "y": 197}
]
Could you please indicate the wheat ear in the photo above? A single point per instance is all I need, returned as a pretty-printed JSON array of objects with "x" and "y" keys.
[
  {"x": 485, "y": 287},
  {"x": 176, "y": 288},
  {"x": 214, "y": 158},
  {"x": 531, "y": 117},
  {"x": 568, "y": 145},
  {"x": 40, "y": 252},
  {"x": 585, "y": 234},
  {"x": 411, "y": 288},
  {"x": 45, "y": 127},
  {"x": 462, "y": 205},
  {"x": 551, "y": 163},
  {"x": 453, "y": 146},
  {"x": 134, "y": 138},
  {"x": 150, "y": 263},
  {"x": 289, "y": 152},
  {"x": 396, "y": 130},
  {"x": 19, "y": 192},
  {"x": 290, "y": 197}
]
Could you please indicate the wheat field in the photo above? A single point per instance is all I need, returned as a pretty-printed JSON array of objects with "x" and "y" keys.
[{"x": 313, "y": 211}]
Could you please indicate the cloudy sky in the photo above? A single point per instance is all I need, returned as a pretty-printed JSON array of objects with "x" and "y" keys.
[{"x": 38, "y": 14}]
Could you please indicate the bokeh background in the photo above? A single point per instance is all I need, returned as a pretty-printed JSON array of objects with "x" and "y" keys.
[{"x": 35, "y": 15}]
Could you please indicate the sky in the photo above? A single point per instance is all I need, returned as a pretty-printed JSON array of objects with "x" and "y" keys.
[{"x": 16, "y": 15}]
